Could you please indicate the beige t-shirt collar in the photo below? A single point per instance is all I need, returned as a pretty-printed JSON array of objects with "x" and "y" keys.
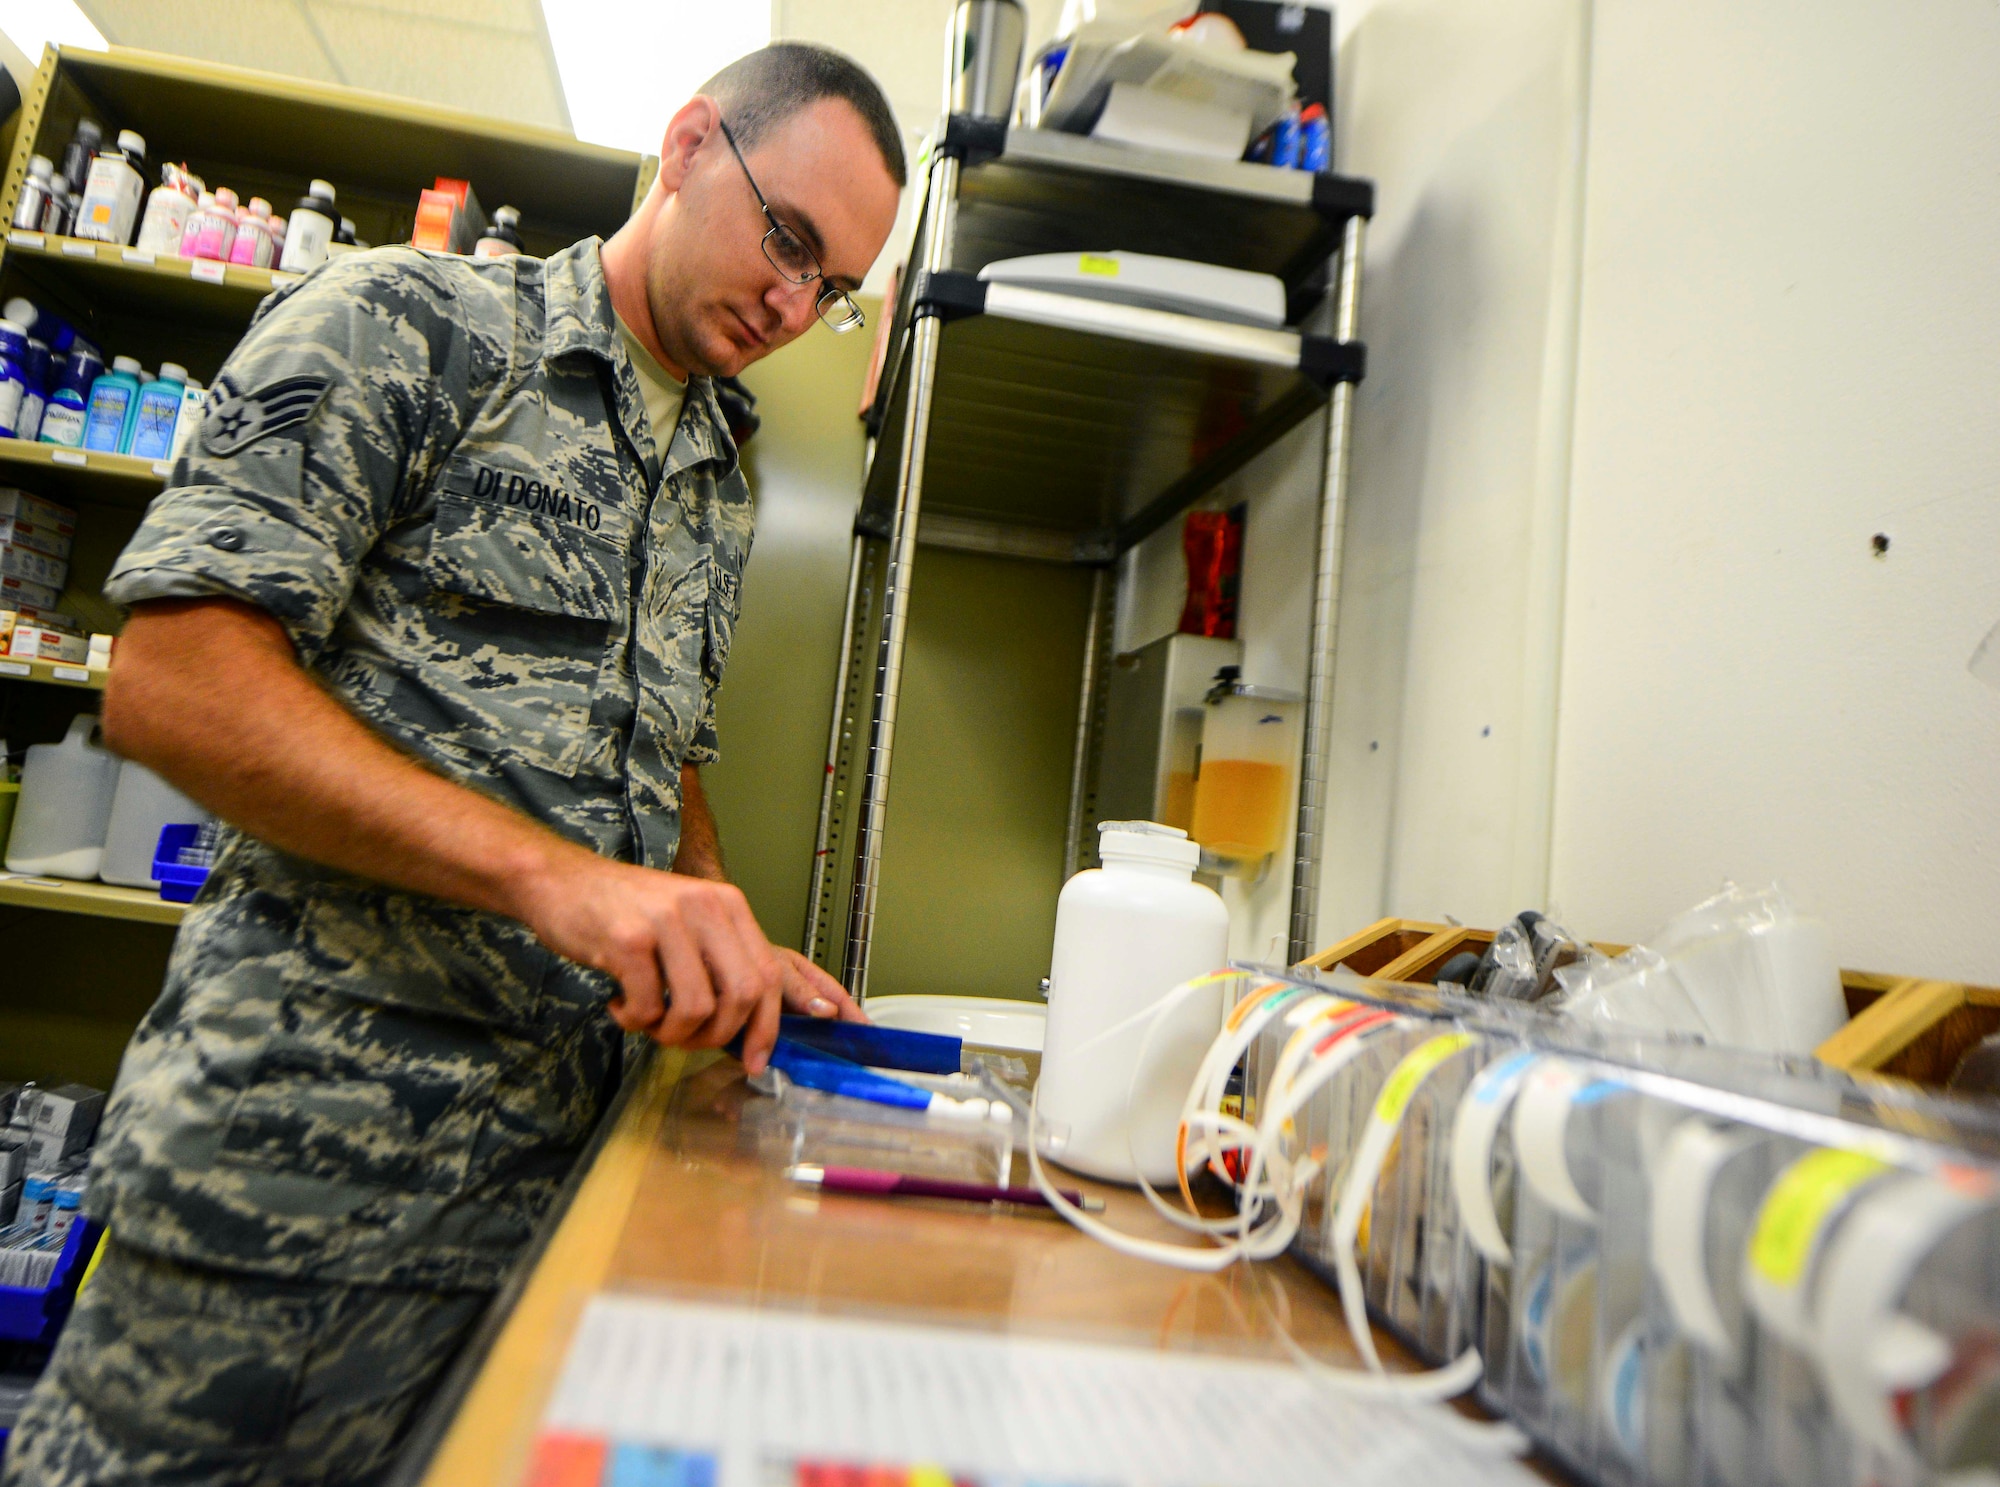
[{"x": 662, "y": 393}]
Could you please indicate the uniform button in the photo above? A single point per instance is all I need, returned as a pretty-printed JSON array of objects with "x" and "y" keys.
[{"x": 226, "y": 538}]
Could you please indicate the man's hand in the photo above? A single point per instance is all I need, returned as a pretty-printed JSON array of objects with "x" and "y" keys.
[{"x": 693, "y": 968}]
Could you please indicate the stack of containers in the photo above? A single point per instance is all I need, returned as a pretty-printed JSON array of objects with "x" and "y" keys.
[
  {"x": 45, "y": 1243},
  {"x": 1679, "y": 1264},
  {"x": 55, "y": 388},
  {"x": 36, "y": 537}
]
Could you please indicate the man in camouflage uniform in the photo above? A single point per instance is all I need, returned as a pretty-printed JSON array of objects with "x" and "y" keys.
[{"x": 434, "y": 613}]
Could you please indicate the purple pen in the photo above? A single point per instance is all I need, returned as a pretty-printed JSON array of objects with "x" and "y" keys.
[{"x": 872, "y": 1181}]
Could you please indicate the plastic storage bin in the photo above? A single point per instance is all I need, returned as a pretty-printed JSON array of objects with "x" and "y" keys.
[
  {"x": 1678, "y": 1264},
  {"x": 179, "y": 882},
  {"x": 36, "y": 1313},
  {"x": 143, "y": 807}
]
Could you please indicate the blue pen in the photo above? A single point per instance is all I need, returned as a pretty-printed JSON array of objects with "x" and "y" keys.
[{"x": 836, "y": 1076}]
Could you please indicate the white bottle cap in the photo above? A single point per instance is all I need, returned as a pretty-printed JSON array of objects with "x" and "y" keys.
[
  {"x": 131, "y": 141},
  {"x": 322, "y": 189},
  {"x": 1147, "y": 841},
  {"x": 15, "y": 326},
  {"x": 21, "y": 311},
  {"x": 126, "y": 364},
  {"x": 224, "y": 197},
  {"x": 172, "y": 372},
  {"x": 41, "y": 167},
  {"x": 207, "y": 200}
]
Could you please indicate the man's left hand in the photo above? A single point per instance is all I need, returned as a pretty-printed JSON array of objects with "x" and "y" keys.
[{"x": 812, "y": 992}]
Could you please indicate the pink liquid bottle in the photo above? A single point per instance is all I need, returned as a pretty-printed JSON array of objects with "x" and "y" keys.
[
  {"x": 211, "y": 231},
  {"x": 254, "y": 244}
]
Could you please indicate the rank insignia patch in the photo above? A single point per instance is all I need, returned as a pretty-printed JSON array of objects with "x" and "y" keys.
[{"x": 235, "y": 420}]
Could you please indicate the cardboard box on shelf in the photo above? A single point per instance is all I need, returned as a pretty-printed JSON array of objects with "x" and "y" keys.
[
  {"x": 35, "y": 567},
  {"x": 53, "y": 539},
  {"x": 449, "y": 217},
  {"x": 22, "y": 593},
  {"x": 32, "y": 642},
  {"x": 15, "y": 502},
  {"x": 62, "y": 1121}
]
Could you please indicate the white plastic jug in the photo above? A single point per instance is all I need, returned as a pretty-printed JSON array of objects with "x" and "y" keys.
[
  {"x": 1127, "y": 934},
  {"x": 143, "y": 806},
  {"x": 66, "y": 794}
]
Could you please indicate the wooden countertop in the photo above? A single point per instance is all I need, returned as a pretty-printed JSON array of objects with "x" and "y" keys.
[{"x": 678, "y": 1198}]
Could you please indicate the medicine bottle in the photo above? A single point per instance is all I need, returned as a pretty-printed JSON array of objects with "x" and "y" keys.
[
  {"x": 312, "y": 226},
  {"x": 114, "y": 399},
  {"x": 109, "y": 211},
  {"x": 13, "y": 375},
  {"x": 34, "y": 198}
]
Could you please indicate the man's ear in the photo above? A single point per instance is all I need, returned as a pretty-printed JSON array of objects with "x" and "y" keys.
[{"x": 698, "y": 121}]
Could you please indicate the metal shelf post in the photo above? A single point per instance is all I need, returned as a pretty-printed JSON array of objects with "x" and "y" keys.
[
  {"x": 943, "y": 194},
  {"x": 1325, "y": 610}
]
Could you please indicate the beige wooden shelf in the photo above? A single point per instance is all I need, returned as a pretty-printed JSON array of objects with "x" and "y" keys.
[
  {"x": 99, "y": 899},
  {"x": 56, "y": 673},
  {"x": 71, "y": 475},
  {"x": 168, "y": 282}
]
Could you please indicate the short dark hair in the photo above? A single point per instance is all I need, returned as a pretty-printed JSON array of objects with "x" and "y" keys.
[{"x": 762, "y": 89}]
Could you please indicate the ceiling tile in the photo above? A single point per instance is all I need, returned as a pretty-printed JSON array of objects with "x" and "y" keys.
[
  {"x": 273, "y": 35},
  {"x": 487, "y": 70}
]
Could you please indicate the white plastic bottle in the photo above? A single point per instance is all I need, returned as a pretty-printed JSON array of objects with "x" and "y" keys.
[
  {"x": 1127, "y": 934},
  {"x": 311, "y": 228},
  {"x": 65, "y": 806},
  {"x": 114, "y": 191},
  {"x": 167, "y": 211}
]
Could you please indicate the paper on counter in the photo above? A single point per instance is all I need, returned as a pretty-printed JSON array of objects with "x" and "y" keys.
[{"x": 671, "y": 1392}]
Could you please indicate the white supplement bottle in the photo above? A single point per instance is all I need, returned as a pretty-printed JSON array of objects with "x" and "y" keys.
[
  {"x": 114, "y": 191},
  {"x": 167, "y": 211},
  {"x": 1127, "y": 934},
  {"x": 310, "y": 230}
]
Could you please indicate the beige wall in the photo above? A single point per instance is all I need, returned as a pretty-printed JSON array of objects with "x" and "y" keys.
[{"x": 973, "y": 852}]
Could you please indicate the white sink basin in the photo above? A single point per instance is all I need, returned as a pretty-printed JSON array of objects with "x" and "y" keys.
[{"x": 991, "y": 1022}]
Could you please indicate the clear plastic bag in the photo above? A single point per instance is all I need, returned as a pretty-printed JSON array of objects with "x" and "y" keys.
[{"x": 1744, "y": 968}]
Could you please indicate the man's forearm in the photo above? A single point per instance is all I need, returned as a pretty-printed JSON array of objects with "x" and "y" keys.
[
  {"x": 208, "y": 694},
  {"x": 700, "y": 851}
]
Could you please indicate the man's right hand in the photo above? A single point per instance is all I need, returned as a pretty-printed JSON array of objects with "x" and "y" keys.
[{"x": 651, "y": 930}]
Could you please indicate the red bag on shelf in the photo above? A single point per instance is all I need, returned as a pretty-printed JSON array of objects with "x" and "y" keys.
[{"x": 1213, "y": 544}]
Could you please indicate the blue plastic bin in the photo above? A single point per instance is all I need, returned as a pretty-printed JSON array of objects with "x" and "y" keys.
[
  {"x": 36, "y": 1313},
  {"x": 178, "y": 884}
]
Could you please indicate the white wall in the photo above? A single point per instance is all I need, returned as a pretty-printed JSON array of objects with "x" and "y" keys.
[
  {"x": 1671, "y": 309},
  {"x": 1790, "y": 342},
  {"x": 1469, "y": 118}
]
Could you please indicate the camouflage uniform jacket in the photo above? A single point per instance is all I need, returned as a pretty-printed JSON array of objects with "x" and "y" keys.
[{"x": 438, "y": 476}]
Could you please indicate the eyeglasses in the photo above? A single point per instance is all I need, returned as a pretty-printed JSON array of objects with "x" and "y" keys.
[{"x": 792, "y": 258}]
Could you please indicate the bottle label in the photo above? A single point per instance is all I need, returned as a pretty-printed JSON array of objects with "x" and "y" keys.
[
  {"x": 166, "y": 221},
  {"x": 62, "y": 424},
  {"x": 306, "y": 240},
  {"x": 153, "y": 432},
  {"x": 107, "y": 418},
  {"x": 110, "y": 205},
  {"x": 12, "y": 390}
]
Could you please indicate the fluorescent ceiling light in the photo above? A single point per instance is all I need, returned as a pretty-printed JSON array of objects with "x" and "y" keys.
[
  {"x": 33, "y": 24},
  {"x": 627, "y": 65}
]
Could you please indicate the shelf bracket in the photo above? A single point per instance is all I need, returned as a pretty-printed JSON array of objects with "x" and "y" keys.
[
  {"x": 947, "y": 295},
  {"x": 972, "y": 141}
]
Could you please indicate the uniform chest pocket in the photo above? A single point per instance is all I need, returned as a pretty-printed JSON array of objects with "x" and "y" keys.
[{"x": 527, "y": 606}]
